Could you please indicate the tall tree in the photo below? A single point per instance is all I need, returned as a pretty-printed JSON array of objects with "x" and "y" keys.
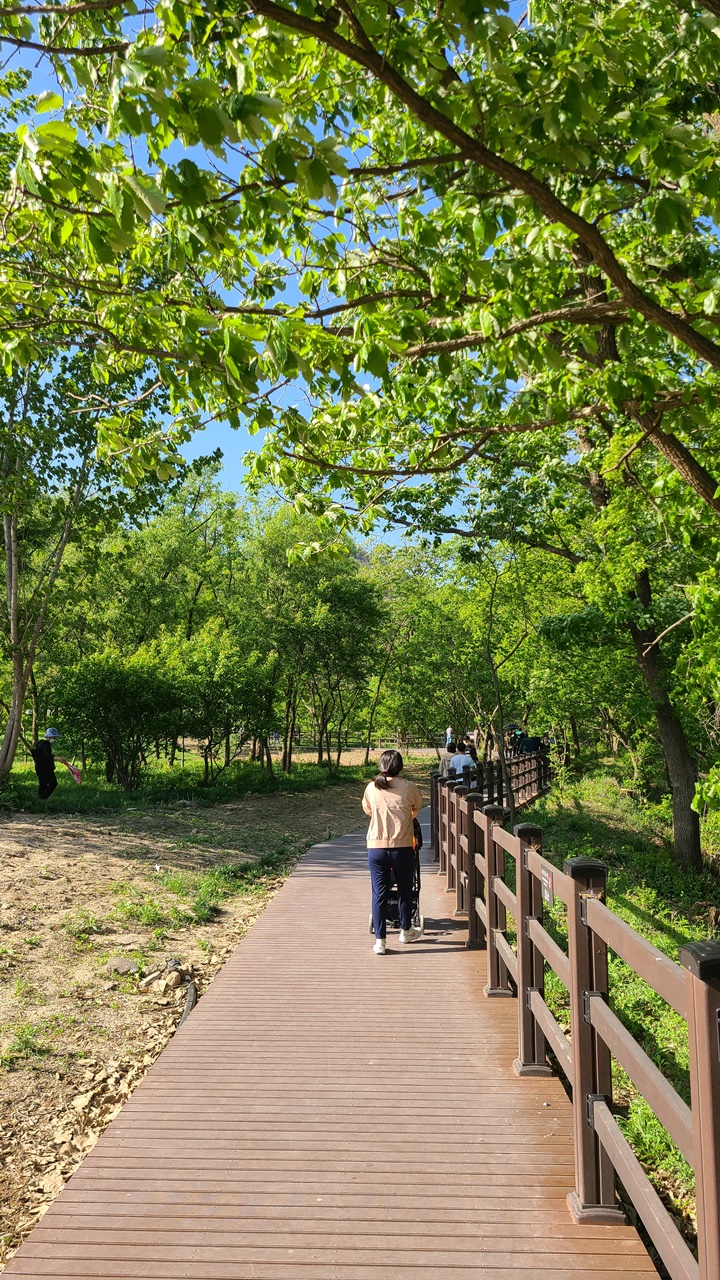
[{"x": 57, "y": 488}]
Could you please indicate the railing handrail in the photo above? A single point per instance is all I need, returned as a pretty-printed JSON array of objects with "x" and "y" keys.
[{"x": 471, "y": 845}]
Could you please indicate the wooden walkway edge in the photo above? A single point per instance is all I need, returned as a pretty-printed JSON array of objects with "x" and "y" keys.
[{"x": 329, "y": 1114}]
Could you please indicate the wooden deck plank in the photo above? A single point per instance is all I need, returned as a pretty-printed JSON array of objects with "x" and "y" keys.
[{"x": 328, "y": 1114}]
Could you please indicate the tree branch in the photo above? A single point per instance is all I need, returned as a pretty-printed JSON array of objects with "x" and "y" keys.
[
  {"x": 79, "y": 51},
  {"x": 667, "y": 630},
  {"x": 577, "y": 314},
  {"x": 520, "y": 179},
  {"x": 86, "y": 6}
]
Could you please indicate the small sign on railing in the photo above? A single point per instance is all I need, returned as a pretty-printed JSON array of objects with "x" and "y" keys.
[{"x": 546, "y": 886}]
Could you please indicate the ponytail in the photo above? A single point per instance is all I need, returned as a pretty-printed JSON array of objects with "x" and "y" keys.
[{"x": 391, "y": 764}]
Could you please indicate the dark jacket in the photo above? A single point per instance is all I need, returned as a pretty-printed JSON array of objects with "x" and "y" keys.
[{"x": 43, "y": 758}]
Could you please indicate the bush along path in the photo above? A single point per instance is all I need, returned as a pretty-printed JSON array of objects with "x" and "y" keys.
[{"x": 103, "y": 923}]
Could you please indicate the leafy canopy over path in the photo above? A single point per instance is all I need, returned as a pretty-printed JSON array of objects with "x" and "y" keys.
[{"x": 322, "y": 190}]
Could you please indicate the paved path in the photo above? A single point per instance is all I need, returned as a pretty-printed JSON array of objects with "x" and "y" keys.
[{"x": 329, "y": 1114}]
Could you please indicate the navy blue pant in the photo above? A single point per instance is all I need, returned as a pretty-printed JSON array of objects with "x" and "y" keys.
[
  {"x": 47, "y": 783},
  {"x": 382, "y": 862}
]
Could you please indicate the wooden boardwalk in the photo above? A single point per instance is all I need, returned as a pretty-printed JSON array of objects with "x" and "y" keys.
[{"x": 329, "y": 1114}]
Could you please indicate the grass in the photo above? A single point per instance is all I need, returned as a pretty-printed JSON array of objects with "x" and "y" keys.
[
  {"x": 80, "y": 925},
  {"x": 162, "y": 785},
  {"x": 669, "y": 905},
  {"x": 25, "y": 1044},
  {"x": 201, "y": 893}
]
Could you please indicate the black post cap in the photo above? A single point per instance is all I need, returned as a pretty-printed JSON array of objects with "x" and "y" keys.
[
  {"x": 582, "y": 868},
  {"x": 492, "y": 810},
  {"x": 702, "y": 959},
  {"x": 475, "y": 795},
  {"x": 461, "y": 789},
  {"x": 528, "y": 832}
]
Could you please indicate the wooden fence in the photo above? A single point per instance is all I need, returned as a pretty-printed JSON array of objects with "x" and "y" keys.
[{"x": 474, "y": 852}]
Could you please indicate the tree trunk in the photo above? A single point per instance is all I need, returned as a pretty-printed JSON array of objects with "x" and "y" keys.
[
  {"x": 288, "y": 746},
  {"x": 20, "y": 671},
  {"x": 375, "y": 701},
  {"x": 681, "y": 771},
  {"x": 227, "y": 750},
  {"x": 173, "y": 752},
  {"x": 575, "y": 736},
  {"x": 35, "y": 704},
  {"x": 288, "y": 730},
  {"x": 23, "y": 656}
]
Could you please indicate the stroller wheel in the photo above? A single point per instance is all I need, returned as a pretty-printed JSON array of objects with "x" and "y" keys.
[{"x": 370, "y": 923}]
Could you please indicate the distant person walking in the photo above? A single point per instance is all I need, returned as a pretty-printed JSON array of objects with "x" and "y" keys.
[
  {"x": 44, "y": 761},
  {"x": 391, "y": 803},
  {"x": 446, "y": 758},
  {"x": 448, "y": 735},
  {"x": 461, "y": 760}
]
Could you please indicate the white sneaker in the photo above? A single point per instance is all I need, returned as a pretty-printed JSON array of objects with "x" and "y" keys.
[
  {"x": 379, "y": 947},
  {"x": 410, "y": 935}
]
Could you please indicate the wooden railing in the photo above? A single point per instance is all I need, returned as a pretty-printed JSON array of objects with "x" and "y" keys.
[
  {"x": 476, "y": 853},
  {"x": 527, "y": 775}
]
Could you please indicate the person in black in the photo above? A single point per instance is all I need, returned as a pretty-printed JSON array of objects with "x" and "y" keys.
[{"x": 44, "y": 760}]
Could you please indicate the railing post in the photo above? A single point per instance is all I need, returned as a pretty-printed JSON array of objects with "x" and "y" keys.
[
  {"x": 434, "y": 798},
  {"x": 702, "y": 961},
  {"x": 593, "y": 1199},
  {"x": 453, "y": 819},
  {"x": 459, "y": 793},
  {"x": 498, "y": 983},
  {"x": 476, "y": 930},
  {"x": 444, "y": 803},
  {"x": 531, "y": 972}
]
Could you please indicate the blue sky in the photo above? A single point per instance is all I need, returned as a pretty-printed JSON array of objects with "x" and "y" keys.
[{"x": 234, "y": 445}]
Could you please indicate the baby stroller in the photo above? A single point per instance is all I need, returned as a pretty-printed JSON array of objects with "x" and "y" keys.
[{"x": 393, "y": 910}]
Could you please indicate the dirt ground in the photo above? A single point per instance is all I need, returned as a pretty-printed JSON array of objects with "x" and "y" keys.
[{"x": 83, "y": 898}]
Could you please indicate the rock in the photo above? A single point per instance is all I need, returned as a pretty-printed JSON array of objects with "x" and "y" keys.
[
  {"x": 121, "y": 964},
  {"x": 124, "y": 939},
  {"x": 173, "y": 980},
  {"x": 109, "y": 986}
]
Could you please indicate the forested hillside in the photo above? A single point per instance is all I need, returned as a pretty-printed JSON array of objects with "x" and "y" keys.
[{"x": 243, "y": 630}]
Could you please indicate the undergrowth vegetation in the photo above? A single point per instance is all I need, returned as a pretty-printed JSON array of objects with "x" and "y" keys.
[
  {"x": 595, "y": 816},
  {"x": 163, "y": 785}
]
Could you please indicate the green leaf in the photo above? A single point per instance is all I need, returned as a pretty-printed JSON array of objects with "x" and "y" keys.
[
  {"x": 48, "y": 101},
  {"x": 56, "y": 135}
]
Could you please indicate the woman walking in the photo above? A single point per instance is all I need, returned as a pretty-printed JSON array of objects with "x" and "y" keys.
[{"x": 391, "y": 803}]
